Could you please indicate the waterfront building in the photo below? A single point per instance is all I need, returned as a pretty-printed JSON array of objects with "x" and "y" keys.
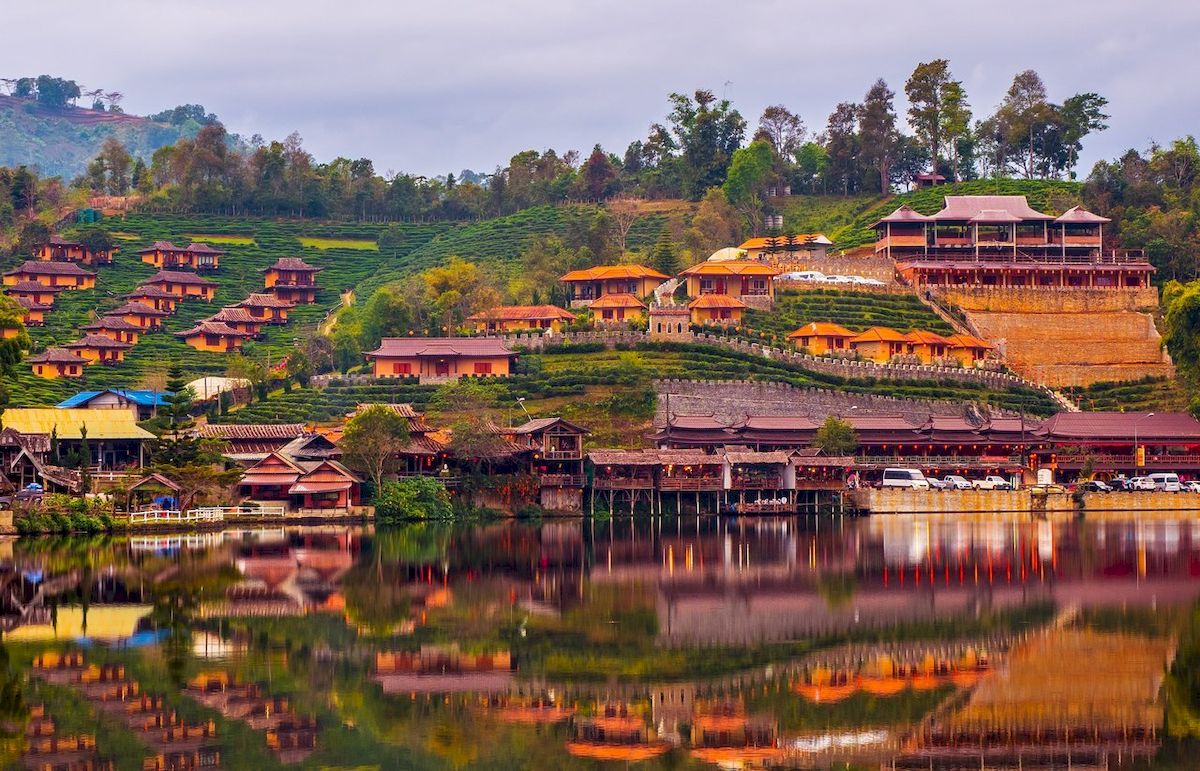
[{"x": 114, "y": 439}]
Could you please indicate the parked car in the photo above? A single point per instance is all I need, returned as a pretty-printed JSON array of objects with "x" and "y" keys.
[
  {"x": 1120, "y": 484},
  {"x": 864, "y": 281},
  {"x": 937, "y": 484},
  {"x": 992, "y": 482},
  {"x": 838, "y": 280},
  {"x": 955, "y": 482},
  {"x": 1192, "y": 486},
  {"x": 1093, "y": 486},
  {"x": 909, "y": 478},
  {"x": 1142, "y": 483},
  {"x": 803, "y": 275},
  {"x": 1167, "y": 482}
]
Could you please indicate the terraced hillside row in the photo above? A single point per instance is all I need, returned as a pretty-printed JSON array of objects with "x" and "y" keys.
[
  {"x": 854, "y": 310},
  {"x": 848, "y": 221},
  {"x": 1147, "y": 394},
  {"x": 613, "y": 385}
]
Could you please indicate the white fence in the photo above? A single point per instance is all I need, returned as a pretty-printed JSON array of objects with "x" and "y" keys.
[{"x": 202, "y": 515}]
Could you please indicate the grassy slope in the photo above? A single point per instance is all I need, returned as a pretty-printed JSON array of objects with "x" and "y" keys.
[
  {"x": 848, "y": 220},
  {"x": 854, "y": 310}
]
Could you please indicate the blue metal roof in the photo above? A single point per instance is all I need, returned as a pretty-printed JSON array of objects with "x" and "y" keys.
[{"x": 140, "y": 398}]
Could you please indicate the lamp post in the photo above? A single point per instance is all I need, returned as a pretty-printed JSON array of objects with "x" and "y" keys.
[{"x": 1135, "y": 438}]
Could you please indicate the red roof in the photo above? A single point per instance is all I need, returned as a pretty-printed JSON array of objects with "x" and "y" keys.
[
  {"x": 30, "y": 305},
  {"x": 152, "y": 291},
  {"x": 197, "y": 248},
  {"x": 56, "y": 356},
  {"x": 523, "y": 313},
  {"x": 294, "y": 264},
  {"x": 1121, "y": 426},
  {"x": 160, "y": 246},
  {"x": 821, "y": 329},
  {"x": 778, "y": 423},
  {"x": 713, "y": 301},
  {"x": 40, "y": 268},
  {"x": 112, "y": 322},
  {"x": 617, "y": 300},
  {"x": 98, "y": 341},
  {"x": 33, "y": 286},
  {"x": 905, "y": 214},
  {"x": 251, "y": 431},
  {"x": 263, "y": 300},
  {"x": 137, "y": 309},
  {"x": 212, "y": 328},
  {"x": 179, "y": 277},
  {"x": 967, "y": 207},
  {"x": 1077, "y": 215},
  {"x": 405, "y": 347},
  {"x": 234, "y": 314}
]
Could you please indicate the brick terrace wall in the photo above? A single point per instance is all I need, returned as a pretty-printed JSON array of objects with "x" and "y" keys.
[
  {"x": 733, "y": 400},
  {"x": 870, "y": 266},
  {"x": 1050, "y": 299}
]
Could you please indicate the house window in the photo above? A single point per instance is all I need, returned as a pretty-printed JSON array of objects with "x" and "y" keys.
[
  {"x": 607, "y": 314},
  {"x": 212, "y": 340},
  {"x": 707, "y": 286},
  {"x": 483, "y": 368},
  {"x": 401, "y": 368},
  {"x": 758, "y": 286}
]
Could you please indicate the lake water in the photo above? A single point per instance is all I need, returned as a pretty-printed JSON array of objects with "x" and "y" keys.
[{"x": 680, "y": 642}]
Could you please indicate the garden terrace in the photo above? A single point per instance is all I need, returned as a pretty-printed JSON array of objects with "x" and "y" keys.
[
  {"x": 855, "y": 311},
  {"x": 1147, "y": 394}
]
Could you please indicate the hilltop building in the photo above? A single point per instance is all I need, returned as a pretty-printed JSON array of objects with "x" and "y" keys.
[
  {"x": 267, "y": 307},
  {"x": 59, "y": 249},
  {"x": 66, "y": 275},
  {"x": 517, "y": 318},
  {"x": 292, "y": 280},
  {"x": 182, "y": 286},
  {"x": 586, "y": 286}
]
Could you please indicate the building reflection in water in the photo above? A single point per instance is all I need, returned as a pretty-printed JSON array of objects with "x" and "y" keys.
[{"x": 901, "y": 641}]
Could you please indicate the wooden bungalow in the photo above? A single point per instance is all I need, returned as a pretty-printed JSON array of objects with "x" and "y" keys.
[
  {"x": 554, "y": 451},
  {"x": 441, "y": 358},
  {"x": 143, "y": 403},
  {"x": 100, "y": 349},
  {"x": 311, "y": 487},
  {"x": 969, "y": 349},
  {"x": 751, "y": 282},
  {"x": 182, "y": 285},
  {"x": 293, "y": 280},
  {"x": 238, "y": 318},
  {"x": 54, "y": 363},
  {"x": 249, "y": 443},
  {"x": 35, "y": 292},
  {"x": 33, "y": 314},
  {"x": 67, "y": 275},
  {"x": 624, "y": 475},
  {"x": 425, "y": 452},
  {"x": 591, "y": 284},
  {"x": 775, "y": 432},
  {"x": 518, "y": 318},
  {"x": 615, "y": 309},
  {"x": 145, "y": 317},
  {"x": 759, "y": 471},
  {"x": 153, "y": 490},
  {"x": 689, "y": 471},
  {"x": 688, "y": 431},
  {"x": 267, "y": 307},
  {"x": 155, "y": 296},
  {"x": 59, "y": 249},
  {"x": 115, "y": 327},
  {"x": 716, "y": 310},
  {"x": 214, "y": 336},
  {"x": 203, "y": 257},
  {"x": 164, "y": 254},
  {"x": 926, "y": 346},
  {"x": 878, "y": 344},
  {"x": 822, "y": 337},
  {"x": 115, "y": 440}
]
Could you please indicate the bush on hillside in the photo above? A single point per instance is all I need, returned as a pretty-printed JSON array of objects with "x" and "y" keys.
[{"x": 412, "y": 498}]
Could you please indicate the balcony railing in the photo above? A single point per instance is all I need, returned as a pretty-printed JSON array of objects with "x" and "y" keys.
[
  {"x": 563, "y": 454},
  {"x": 1122, "y": 460},
  {"x": 771, "y": 483},
  {"x": 561, "y": 480},
  {"x": 691, "y": 484},
  {"x": 623, "y": 483}
]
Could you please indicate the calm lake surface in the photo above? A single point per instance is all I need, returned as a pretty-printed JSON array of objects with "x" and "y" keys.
[{"x": 680, "y": 642}]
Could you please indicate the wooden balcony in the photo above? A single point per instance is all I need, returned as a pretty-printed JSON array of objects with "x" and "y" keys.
[
  {"x": 691, "y": 484},
  {"x": 623, "y": 483},
  {"x": 576, "y": 454},
  {"x": 757, "y": 483},
  {"x": 561, "y": 480},
  {"x": 1119, "y": 461}
]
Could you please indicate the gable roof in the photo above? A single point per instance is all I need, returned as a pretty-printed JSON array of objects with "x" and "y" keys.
[
  {"x": 199, "y": 248},
  {"x": 292, "y": 263},
  {"x": 523, "y": 313},
  {"x": 968, "y": 207},
  {"x": 1120, "y": 426},
  {"x": 821, "y": 329},
  {"x": 441, "y": 346},
  {"x": 212, "y": 328},
  {"x": 263, "y": 300},
  {"x": 730, "y": 268},
  {"x": 56, "y": 356},
  {"x": 151, "y": 291},
  {"x": 228, "y": 431},
  {"x": 100, "y": 423},
  {"x": 617, "y": 300},
  {"x": 44, "y": 268},
  {"x": 231, "y": 313},
  {"x": 32, "y": 287},
  {"x": 602, "y": 272},
  {"x": 923, "y": 337},
  {"x": 142, "y": 398},
  {"x": 706, "y": 301},
  {"x": 1077, "y": 215},
  {"x": 178, "y": 277},
  {"x": 98, "y": 341},
  {"x": 534, "y": 425},
  {"x": 904, "y": 214},
  {"x": 112, "y": 322},
  {"x": 878, "y": 335},
  {"x": 800, "y": 239},
  {"x": 136, "y": 309},
  {"x": 968, "y": 341},
  {"x": 160, "y": 246}
]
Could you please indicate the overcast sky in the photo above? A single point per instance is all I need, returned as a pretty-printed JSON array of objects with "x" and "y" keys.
[{"x": 434, "y": 87}]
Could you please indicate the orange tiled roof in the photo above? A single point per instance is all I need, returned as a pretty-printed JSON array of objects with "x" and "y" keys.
[
  {"x": 523, "y": 313},
  {"x": 731, "y": 268},
  {"x": 968, "y": 341},
  {"x": 602, "y": 272},
  {"x": 707, "y": 301},
  {"x": 923, "y": 337},
  {"x": 622, "y": 300},
  {"x": 879, "y": 335},
  {"x": 821, "y": 329},
  {"x": 762, "y": 242}
]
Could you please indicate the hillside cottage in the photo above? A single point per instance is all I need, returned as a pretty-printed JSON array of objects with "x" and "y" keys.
[
  {"x": 203, "y": 256},
  {"x": 821, "y": 337},
  {"x": 33, "y": 314},
  {"x": 292, "y": 280},
  {"x": 115, "y": 327},
  {"x": 591, "y": 284},
  {"x": 781, "y": 249},
  {"x": 183, "y": 286},
  {"x": 615, "y": 309},
  {"x": 750, "y": 282},
  {"x": 239, "y": 319},
  {"x": 34, "y": 292},
  {"x": 155, "y": 296},
  {"x": 553, "y": 448},
  {"x": 213, "y": 336},
  {"x": 926, "y": 346},
  {"x": 441, "y": 358},
  {"x": 716, "y": 310},
  {"x": 143, "y": 316},
  {"x": 59, "y": 249},
  {"x": 67, "y": 275},
  {"x": 99, "y": 348},
  {"x": 250, "y": 443},
  {"x": 878, "y": 344},
  {"x": 999, "y": 240},
  {"x": 54, "y": 363},
  {"x": 163, "y": 254},
  {"x": 267, "y": 308},
  {"x": 969, "y": 349},
  {"x": 308, "y": 487},
  {"x": 517, "y": 318}
]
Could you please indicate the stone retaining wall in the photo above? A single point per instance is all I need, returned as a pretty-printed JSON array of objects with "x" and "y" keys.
[
  {"x": 988, "y": 502},
  {"x": 1050, "y": 299}
]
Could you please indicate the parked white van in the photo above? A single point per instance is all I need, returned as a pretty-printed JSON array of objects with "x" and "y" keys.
[
  {"x": 1168, "y": 483},
  {"x": 910, "y": 478}
]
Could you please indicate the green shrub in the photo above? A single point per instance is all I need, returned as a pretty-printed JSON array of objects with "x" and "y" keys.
[{"x": 412, "y": 498}]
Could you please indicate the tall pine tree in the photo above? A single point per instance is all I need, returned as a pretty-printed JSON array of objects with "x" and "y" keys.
[
  {"x": 176, "y": 444},
  {"x": 663, "y": 256}
]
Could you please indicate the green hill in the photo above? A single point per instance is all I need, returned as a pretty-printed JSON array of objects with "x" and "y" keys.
[{"x": 62, "y": 142}]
